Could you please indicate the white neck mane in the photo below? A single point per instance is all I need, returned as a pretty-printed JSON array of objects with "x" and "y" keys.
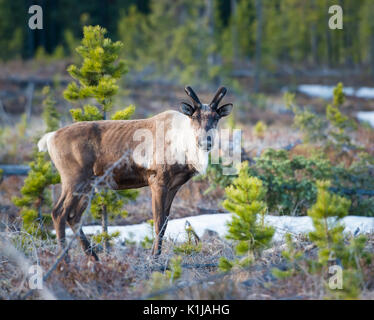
[{"x": 183, "y": 148}]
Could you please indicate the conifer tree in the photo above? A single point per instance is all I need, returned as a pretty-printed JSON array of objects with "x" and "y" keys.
[
  {"x": 326, "y": 215},
  {"x": 96, "y": 79},
  {"x": 245, "y": 199},
  {"x": 339, "y": 123},
  {"x": 98, "y": 75},
  {"x": 50, "y": 114},
  {"x": 35, "y": 192},
  {"x": 36, "y": 195}
]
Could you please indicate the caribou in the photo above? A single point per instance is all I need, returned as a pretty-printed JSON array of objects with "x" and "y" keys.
[{"x": 162, "y": 152}]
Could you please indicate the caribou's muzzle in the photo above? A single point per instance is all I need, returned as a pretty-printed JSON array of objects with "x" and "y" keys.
[{"x": 205, "y": 143}]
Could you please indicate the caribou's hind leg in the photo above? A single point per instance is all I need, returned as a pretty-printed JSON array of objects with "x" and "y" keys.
[
  {"x": 73, "y": 222},
  {"x": 70, "y": 208},
  {"x": 60, "y": 213}
]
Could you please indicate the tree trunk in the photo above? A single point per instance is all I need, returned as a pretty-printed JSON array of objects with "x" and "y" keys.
[
  {"x": 314, "y": 35},
  {"x": 234, "y": 30},
  {"x": 30, "y": 35},
  {"x": 210, "y": 22},
  {"x": 53, "y": 195},
  {"x": 104, "y": 225},
  {"x": 258, "y": 45},
  {"x": 40, "y": 215},
  {"x": 372, "y": 43},
  {"x": 29, "y": 94},
  {"x": 328, "y": 40},
  {"x": 212, "y": 57},
  {"x": 372, "y": 51}
]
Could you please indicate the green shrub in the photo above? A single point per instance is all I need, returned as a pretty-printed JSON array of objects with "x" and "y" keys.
[{"x": 290, "y": 182}]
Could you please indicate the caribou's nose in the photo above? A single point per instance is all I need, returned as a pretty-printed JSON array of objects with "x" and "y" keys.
[
  {"x": 209, "y": 142},
  {"x": 206, "y": 143}
]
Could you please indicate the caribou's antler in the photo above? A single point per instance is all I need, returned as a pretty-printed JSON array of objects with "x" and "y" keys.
[
  {"x": 218, "y": 97},
  {"x": 195, "y": 100}
]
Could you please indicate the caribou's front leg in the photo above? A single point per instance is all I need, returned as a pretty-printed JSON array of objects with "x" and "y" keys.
[
  {"x": 159, "y": 196},
  {"x": 162, "y": 198}
]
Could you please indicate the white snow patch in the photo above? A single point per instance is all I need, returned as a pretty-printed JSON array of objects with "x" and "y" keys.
[
  {"x": 365, "y": 93},
  {"x": 217, "y": 222},
  {"x": 367, "y": 116},
  {"x": 322, "y": 91},
  {"x": 326, "y": 92}
]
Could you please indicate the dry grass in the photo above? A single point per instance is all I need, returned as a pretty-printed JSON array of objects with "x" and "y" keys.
[{"x": 125, "y": 273}]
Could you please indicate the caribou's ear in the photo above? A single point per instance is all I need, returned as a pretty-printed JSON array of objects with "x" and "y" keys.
[
  {"x": 187, "y": 109},
  {"x": 225, "y": 110}
]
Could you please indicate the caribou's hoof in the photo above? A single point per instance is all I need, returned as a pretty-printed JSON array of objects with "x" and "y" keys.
[
  {"x": 67, "y": 258},
  {"x": 92, "y": 255}
]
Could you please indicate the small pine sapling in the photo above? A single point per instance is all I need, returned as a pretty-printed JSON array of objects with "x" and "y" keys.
[
  {"x": 35, "y": 192},
  {"x": 339, "y": 123},
  {"x": 259, "y": 130},
  {"x": 326, "y": 215},
  {"x": 309, "y": 123},
  {"x": 333, "y": 247},
  {"x": 245, "y": 199},
  {"x": 192, "y": 243},
  {"x": 36, "y": 195},
  {"x": 50, "y": 114},
  {"x": 148, "y": 241},
  {"x": 107, "y": 205},
  {"x": 98, "y": 75},
  {"x": 330, "y": 130},
  {"x": 159, "y": 281},
  {"x": 293, "y": 259}
]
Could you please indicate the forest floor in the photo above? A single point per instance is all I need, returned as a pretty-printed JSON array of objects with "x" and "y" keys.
[{"x": 129, "y": 272}]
